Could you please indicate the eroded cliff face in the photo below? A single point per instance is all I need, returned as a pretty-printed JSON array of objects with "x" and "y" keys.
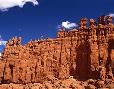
[{"x": 84, "y": 53}]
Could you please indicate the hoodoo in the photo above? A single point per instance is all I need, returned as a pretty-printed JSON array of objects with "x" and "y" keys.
[{"x": 85, "y": 53}]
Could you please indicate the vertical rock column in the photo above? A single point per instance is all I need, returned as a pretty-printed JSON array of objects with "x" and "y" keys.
[{"x": 94, "y": 50}]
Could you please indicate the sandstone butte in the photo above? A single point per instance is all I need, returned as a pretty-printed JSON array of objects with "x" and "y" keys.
[{"x": 81, "y": 58}]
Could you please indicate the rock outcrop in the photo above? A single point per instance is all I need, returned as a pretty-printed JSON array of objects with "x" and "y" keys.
[{"x": 84, "y": 53}]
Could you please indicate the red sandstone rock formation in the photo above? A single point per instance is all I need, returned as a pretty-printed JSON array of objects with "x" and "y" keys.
[{"x": 84, "y": 53}]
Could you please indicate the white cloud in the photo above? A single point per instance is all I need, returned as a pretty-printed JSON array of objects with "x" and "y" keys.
[
  {"x": 6, "y": 4},
  {"x": 68, "y": 25},
  {"x": 111, "y": 14},
  {"x": 2, "y": 42},
  {"x": 2, "y": 45}
]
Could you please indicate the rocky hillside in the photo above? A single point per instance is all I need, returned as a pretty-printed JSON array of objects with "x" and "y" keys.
[{"x": 81, "y": 58}]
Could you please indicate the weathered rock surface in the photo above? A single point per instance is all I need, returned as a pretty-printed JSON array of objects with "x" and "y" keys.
[
  {"x": 83, "y": 53},
  {"x": 69, "y": 83}
]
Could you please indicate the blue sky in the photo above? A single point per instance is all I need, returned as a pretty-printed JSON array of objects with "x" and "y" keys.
[{"x": 31, "y": 22}]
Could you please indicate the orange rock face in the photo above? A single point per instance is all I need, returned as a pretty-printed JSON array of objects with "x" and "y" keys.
[{"x": 84, "y": 53}]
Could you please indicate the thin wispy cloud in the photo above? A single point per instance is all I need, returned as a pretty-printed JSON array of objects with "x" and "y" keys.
[
  {"x": 2, "y": 42},
  {"x": 2, "y": 45},
  {"x": 7, "y": 4},
  {"x": 111, "y": 14}
]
